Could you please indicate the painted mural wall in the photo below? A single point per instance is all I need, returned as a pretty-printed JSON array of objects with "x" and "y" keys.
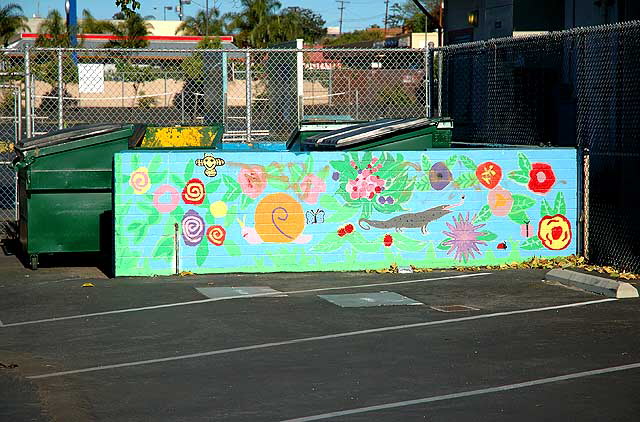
[{"x": 212, "y": 212}]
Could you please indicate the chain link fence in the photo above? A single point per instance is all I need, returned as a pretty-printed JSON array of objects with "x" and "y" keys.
[
  {"x": 258, "y": 94},
  {"x": 578, "y": 87}
]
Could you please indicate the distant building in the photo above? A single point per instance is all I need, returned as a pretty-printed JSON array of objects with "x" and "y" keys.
[{"x": 474, "y": 20}]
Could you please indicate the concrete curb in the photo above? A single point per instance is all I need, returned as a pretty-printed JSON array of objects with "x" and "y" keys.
[{"x": 594, "y": 284}]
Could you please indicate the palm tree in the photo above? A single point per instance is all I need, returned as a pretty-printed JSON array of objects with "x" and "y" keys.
[
  {"x": 198, "y": 25},
  {"x": 11, "y": 21},
  {"x": 130, "y": 32},
  {"x": 53, "y": 31},
  {"x": 256, "y": 23},
  {"x": 91, "y": 25}
]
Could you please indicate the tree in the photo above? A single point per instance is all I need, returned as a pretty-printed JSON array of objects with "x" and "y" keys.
[
  {"x": 255, "y": 24},
  {"x": 355, "y": 36},
  {"x": 412, "y": 18},
  {"x": 91, "y": 25},
  {"x": 52, "y": 32},
  {"x": 198, "y": 25},
  {"x": 298, "y": 22},
  {"x": 11, "y": 22},
  {"x": 128, "y": 7},
  {"x": 130, "y": 32}
]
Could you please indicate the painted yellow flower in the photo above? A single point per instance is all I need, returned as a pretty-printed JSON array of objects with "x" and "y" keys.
[
  {"x": 139, "y": 180},
  {"x": 555, "y": 232},
  {"x": 218, "y": 209}
]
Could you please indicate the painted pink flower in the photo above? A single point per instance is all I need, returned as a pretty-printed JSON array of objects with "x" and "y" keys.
[
  {"x": 500, "y": 201},
  {"x": 253, "y": 181},
  {"x": 166, "y": 199},
  {"x": 311, "y": 187}
]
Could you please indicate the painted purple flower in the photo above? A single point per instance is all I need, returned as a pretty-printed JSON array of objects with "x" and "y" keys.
[
  {"x": 463, "y": 238},
  {"x": 192, "y": 228},
  {"x": 335, "y": 175},
  {"x": 381, "y": 199},
  {"x": 390, "y": 200},
  {"x": 440, "y": 176}
]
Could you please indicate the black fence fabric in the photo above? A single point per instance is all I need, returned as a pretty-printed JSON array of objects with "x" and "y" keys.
[{"x": 575, "y": 88}]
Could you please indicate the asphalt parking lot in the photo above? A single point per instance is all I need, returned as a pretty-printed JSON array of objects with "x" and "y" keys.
[{"x": 138, "y": 349}]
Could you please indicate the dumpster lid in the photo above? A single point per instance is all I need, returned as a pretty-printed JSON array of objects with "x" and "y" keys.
[
  {"x": 73, "y": 134},
  {"x": 367, "y": 132}
]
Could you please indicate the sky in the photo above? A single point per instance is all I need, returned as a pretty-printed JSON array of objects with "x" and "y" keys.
[{"x": 358, "y": 14}]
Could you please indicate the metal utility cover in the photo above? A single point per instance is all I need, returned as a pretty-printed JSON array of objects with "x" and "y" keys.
[
  {"x": 230, "y": 292},
  {"x": 359, "y": 300}
]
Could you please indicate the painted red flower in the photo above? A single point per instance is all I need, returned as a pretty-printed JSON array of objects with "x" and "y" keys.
[
  {"x": 388, "y": 240},
  {"x": 193, "y": 192},
  {"x": 541, "y": 178},
  {"x": 489, "y": 174},
  {"x": 349, "y": 228},
  {"x": 341, "y": 232}
]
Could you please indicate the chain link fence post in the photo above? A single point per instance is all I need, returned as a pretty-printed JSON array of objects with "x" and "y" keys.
[
  {"x": 60, "y": 91},
  {"x": 428, "y": 62},
  {"x": 248, "y": 93},
  {"x": 27, "y": 91}
]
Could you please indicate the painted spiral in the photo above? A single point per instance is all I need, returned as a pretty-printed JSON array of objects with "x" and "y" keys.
[
  {"x": 139, "y": 180},
  {"x": 192, "y": 228},
  {"x": 193, "y": 192},
  {"x": 216, "y": 235},
  {"x": 279, "y": 218}
]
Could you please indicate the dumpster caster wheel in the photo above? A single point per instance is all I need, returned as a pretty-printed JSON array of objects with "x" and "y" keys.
[{"x": 34, "y": 262}]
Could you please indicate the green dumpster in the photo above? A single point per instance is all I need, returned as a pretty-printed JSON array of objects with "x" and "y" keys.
[
  {"x": 412, "y": 134},
  {"x": 65, "y": 189}
]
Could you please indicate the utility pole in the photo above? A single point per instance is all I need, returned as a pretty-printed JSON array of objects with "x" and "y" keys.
[
  {"x": 341, "y": 8},
  {"x": 386, "y": 16}
]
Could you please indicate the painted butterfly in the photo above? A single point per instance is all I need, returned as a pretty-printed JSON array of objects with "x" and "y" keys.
[{"x": 315, "y": 216}]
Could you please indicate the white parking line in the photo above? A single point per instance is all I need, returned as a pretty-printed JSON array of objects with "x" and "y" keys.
[
  {"x": 467, "y": 393},
  {"x": 317, "y": 338},
  {"x": 196, "y": 302}
]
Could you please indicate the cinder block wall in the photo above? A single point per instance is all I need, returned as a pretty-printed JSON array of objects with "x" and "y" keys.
[{"x": 214, "y": 212}]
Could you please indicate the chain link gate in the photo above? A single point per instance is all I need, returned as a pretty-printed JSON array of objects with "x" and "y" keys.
[{"x": 575, "y": 88}]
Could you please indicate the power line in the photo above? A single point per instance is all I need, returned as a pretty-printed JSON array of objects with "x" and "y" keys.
[{"x": 341, "y": 8}]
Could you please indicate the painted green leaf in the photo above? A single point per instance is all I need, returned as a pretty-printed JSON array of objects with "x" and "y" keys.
[
  {"x": 188, "y": 170},
  {"x": 232, "y": 213},
  {"x": 545, "y": 208},
  {"x": 233, "y": 189},
  {"x": 468, "y": 162},
  {"x": 278, "y": 182},
  {"x": 524, "y": 163},
  {"x": 154, "y": 218},
  {"x": 423, "y": 184},
  {"x": 483, "y": 215},
  {"x": 488, "y": 236},
  {"x": 466, "y": 180},
  {"x": 308, "y": 165},
  {"x": 232, "y": 248},
  {"x": 135, "y": 162},
  {"x": 155, "y": 163},
  {"x": 177, "y": 214},
  {"x": 245, "y": 202},
  {"x": 164, "y": 248},
  {"x": 209, "y": 218},
  {"x": 519, "y": 217},
  {"x": 273, "y": 169},
  {"x": 156, "y": 178},
  {"x": 367, "y": 208},
  {"x": 323, "y": 173},
  {"x": 521, "y": 203},
  {"x": 176, "y": 180},
  {"x": 559, "y": 205},
  {"x": 135, "y": 226},
  {"x": 202, "y": 252},
  {"x": 531, "y": 243},
  {"x": 328, "y": 202},
  {"x": 330, "y": 243},
  {"x": 342, "y": 215},
  {"x": 366, "y": 159},
  {"x": 407, "y": 244},
  {"x": 442, "y": 245},
  {"x": 519, "y": 177},
  {"x": 426, "y": 163},
  {"x": 213, "y": 185},
  {"x": 296, "y": 173},
  {"x": 451, "y": 161},
  {"x": 361, "y": 244}
]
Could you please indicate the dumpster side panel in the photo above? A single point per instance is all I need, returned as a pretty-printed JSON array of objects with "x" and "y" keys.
[{"x": 217, "y": 211}]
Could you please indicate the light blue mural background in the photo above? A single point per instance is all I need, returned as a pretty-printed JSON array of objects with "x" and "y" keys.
[{"x": 362, "y": 249}]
